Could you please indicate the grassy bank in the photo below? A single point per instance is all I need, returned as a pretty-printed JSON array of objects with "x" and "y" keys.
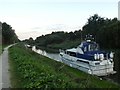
[
  {"x": 2, "y": 48},
  {"x": 30, "y": 70}
]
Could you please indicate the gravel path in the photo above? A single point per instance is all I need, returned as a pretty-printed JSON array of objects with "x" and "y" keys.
[{"x": 4, "y": 69}]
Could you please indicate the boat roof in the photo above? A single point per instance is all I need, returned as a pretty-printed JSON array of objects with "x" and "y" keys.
[{"x": 72, "y": 50}]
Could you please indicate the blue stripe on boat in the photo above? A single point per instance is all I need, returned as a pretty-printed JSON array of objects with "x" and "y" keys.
[{"x": 85, "y": 56}]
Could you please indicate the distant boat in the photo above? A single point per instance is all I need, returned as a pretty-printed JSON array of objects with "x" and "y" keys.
[{"x": 88, "y": 58}]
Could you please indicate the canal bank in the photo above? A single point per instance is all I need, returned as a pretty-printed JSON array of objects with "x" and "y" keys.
[{"x": 31, "y": 70}]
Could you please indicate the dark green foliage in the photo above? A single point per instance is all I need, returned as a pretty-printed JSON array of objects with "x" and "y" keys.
[
  {"x": 117, "y": 66},
  {"x": 29, "y": 41},
  {"x": 8, "y": 34},
  {"x": 93, "y": 25},
  {"x": 50, "y": 41},
  {"x": 53, "y": 38},
  {"x": 105, "y": 31},
  {"x": 109, "y": 36}
]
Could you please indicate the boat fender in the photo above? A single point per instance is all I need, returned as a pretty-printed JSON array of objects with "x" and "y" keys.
[
  {"x": 111, "y": 55},
  {"x": 89, "y": 71},
  {"x": 70, "y": 65}
]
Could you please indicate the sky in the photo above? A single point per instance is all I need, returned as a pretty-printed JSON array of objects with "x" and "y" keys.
[
  {"x": 119, "y": 10},
  {"x": 33, "y": 18}
]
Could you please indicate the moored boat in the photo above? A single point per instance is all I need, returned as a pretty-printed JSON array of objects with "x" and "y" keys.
[{"x": 89, "y": 58}]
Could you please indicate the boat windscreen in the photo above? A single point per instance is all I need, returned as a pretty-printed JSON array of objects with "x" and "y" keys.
[
  {"x": 93, "y": 47},
  {"x": 71, "y": 53}
]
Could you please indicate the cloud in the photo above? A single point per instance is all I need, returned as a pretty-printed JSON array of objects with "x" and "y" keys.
[
  {"x": 62, "y": 27},
  {"x": 36, "y": 28},
  {"x": 27, "y": 35},
  {"x": 56, "y": 27},
  {"x": 38, "y": 31}
]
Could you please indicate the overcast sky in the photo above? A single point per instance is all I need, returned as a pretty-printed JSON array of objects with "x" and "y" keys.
[{"x": 37, "y": 17}]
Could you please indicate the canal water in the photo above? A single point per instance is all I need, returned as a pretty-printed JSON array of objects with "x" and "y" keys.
[{"x": 54, "y": 56}]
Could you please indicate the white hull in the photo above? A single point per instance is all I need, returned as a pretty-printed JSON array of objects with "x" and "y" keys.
[{"x": 105, "y": 67}]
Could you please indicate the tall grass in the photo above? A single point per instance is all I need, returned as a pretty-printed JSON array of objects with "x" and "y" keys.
[{"x": 30, "y": 70}]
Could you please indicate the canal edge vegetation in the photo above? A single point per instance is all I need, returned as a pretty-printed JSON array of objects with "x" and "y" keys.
[
  {"x": 31, "y": 70},
  {"x": 7, "y": 36}
]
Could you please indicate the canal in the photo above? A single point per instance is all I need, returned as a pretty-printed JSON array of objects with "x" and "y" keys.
[{"x": 54, "y": 56}]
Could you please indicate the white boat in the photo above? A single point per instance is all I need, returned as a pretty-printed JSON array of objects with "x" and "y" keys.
[{"x": 88, "y": 58}]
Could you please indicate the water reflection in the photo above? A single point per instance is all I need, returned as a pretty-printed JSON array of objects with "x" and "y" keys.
[{"x": 44, "y": 53}]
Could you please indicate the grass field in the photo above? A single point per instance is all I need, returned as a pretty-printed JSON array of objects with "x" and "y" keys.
[{"x": 30, "y": 70}]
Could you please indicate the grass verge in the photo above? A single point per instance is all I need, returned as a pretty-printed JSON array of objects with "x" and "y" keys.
[
  {"x": 2, "y": 48},
  {"x": 30, "y": 70}
]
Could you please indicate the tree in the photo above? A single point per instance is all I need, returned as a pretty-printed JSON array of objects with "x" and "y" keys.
[
  {"x": 8, "y": 34},
  {"x": 93, "y": 25}
]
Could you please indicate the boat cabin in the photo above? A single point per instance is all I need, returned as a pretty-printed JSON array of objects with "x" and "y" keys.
[{"x": 89, "y": 46}]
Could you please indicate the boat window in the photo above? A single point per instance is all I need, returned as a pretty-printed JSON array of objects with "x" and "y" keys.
[
  {"x": 97, "y": 63},
  {"x": 93, "y": 47},
  {"x": 65, "y": 52},
  {"x": 71, "y": 53},
  {"x": 85, "y": 49},
  {"x": 83, "y": 61},
  {"x": 81, "y": 45}
]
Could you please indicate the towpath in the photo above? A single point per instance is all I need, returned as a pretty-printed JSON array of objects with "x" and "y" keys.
[{"x": 4, "y": 69}]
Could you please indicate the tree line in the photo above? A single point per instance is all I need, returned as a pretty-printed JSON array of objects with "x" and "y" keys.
[
  {"x": 8, "y": 34},
  {"x": 106, "y": 32}
]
